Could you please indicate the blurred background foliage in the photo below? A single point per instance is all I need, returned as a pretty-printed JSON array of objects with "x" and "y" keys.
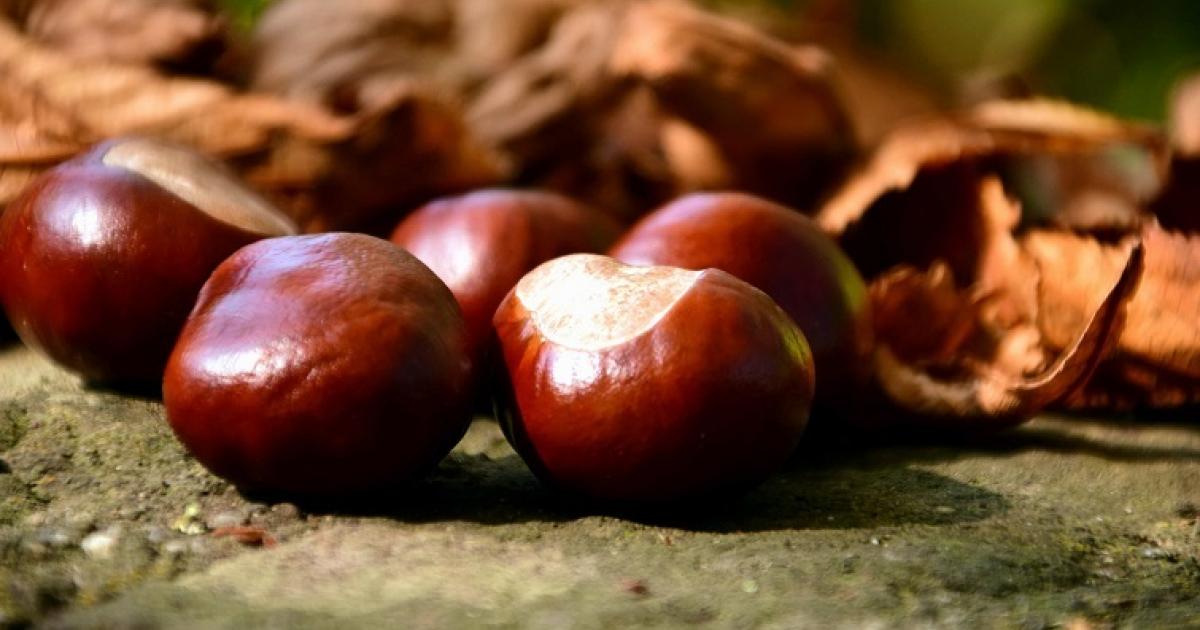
[{"x": 1117, "y": 55}]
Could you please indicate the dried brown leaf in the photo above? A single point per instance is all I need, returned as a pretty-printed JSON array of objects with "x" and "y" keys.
[
  {"x": 86, "y": 102},
  {"x": 923, "y": 173},
  {"x": 492, "y": 35},
  {"x": 970, "y": 354},
  {"x": 717, "y": 74},
  {"x": 1057, "y": 126},
  {"x": 550, "y": 103},
  {"x": 179, "y": 33},
  {"x": 574, "y": 114},
  {"x": 971, "y": 395},
  {"x": 417, "y": 144},
  {"x": 343, "y": 53},
  {"x": 326, "y": 167},
  {"x": 566, "y": 122},
  {"x": 1125, "y": 384},
  {"x": 906, "y": 295},
  {"x": 1156, "y": 359}
]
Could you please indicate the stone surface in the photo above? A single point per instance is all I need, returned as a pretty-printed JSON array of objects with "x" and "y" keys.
[{"x": 1063, "y": 521}]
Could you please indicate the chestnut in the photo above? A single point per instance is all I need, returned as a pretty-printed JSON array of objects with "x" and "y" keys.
[
  {"x": 319, "y": 365},
  {"x": 482, "y": 242},
  {"x": 643, "y": 384},
  {"x": 780, "y": 251},
  {"x": 101, "y": 257}
]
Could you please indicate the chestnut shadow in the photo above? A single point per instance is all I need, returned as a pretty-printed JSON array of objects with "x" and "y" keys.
[
  {"x": 848, "y": 492},
  {"x": 151, "y": 392},
  {"x": 835, "y": 494},
  {"x": 474, "y": 488},
  {"x": 1099, "y": 437}
]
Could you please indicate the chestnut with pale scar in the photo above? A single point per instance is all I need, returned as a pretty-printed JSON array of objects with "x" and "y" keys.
[
  {"x": 103, "y": 256},
  {"x": 650, "y": 384},
  {"x": 781, "y": 252}
]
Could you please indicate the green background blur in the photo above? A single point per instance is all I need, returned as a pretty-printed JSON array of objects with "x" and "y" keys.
[{"x": 1119, "y": 55}]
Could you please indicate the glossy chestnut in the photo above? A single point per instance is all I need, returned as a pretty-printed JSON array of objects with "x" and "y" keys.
[
  {"x": 101, "y": 257},
  {"x": 781, "y": 252},
  {"x": 645, "y": 384},
  {"x": 324, "y": 364},
  {"x": 481, "y": 243}
]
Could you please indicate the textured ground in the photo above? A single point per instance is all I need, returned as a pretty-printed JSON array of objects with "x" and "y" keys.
[{"x": 105, "y": 522}]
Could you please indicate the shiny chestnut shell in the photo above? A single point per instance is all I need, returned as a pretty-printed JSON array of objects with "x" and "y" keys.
[
  {"x": 709, "y": 393},
  {"x": 481, "y": 243},
  {"x": 100, "y": 264},
  {"x": 324, "y": 364},
  {"x": 784, "y": 254}
]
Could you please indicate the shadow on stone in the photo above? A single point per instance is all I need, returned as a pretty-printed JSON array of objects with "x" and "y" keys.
[
  {"x": 480, "y": 489},
  {"x": 142, "y": 391},
  {"x": 844, "y": 497},
  {"x": 1112, "y": 439}
]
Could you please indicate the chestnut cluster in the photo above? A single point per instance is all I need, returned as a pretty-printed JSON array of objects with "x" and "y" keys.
[{"x": 681, "y": 364}]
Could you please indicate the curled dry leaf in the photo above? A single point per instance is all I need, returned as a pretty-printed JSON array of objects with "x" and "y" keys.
[
  {"x": 936, "y": 196},
  {"x": 976, "y": 383},
  {"x": 1156, "y": 358},
  {"x": 716, "y": 74},
  {"x": 1049, "y": 154},
  {"x": 948, "y": 316},
  {"x": 317, "y": 163}
]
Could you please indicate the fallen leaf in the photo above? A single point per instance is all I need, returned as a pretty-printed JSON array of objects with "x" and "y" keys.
[
  {"x": 716, "y": 74},
  {"x": 340, "y": 54},
  {"x": 947, "y": 316},
  {"x": 1156, "y": 358},
  {"x": 175, "y": 33},
  {"x": 970, "y": 394},
  {"x": 566, "y": 122},
  {"x": 925, "y": 172},
  {"x": 553, "y": 99},
  {"x": 323, "y": 168},
  {"x": 343, "y": 54}
]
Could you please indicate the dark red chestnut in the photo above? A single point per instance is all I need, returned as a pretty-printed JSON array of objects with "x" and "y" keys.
[
  {"x": 481, "y": 243},
  {"x": 101, "y": 258},
  {"x": 781, "y": 252},
  {"x": 332, "y": 363},
  {"x": 646, "y": 384}
]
